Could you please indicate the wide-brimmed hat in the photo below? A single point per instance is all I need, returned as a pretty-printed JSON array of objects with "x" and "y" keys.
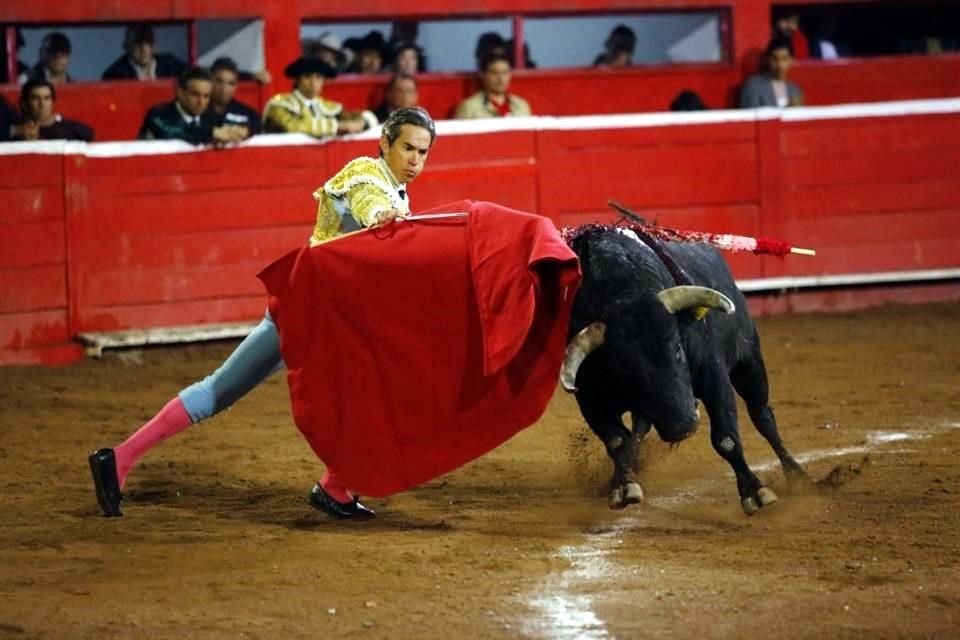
[
  {"x": 329, "y": 41},
  {"x": 304, "y": 65}
]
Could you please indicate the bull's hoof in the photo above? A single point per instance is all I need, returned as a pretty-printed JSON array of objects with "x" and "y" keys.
[
  {"x": 633, "y": 493},
  {"x": 615, "y": 500},
  {"x": 762, "y": 498},
  {"x": 766, "y": 496},
  {"x": 624, "y": 495}
]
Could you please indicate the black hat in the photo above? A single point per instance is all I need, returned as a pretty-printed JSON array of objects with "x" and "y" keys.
[
  {"x": 302, "y": 66},
  {"x": 373, "y": 41}
]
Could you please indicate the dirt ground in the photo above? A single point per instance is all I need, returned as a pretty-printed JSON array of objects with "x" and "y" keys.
[{"x": 219, "y": 541}]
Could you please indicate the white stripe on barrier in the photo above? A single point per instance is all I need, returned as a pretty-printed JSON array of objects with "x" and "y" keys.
[
  {"x": 498, "y": 125},
  {"x": 846, "y": 279}
]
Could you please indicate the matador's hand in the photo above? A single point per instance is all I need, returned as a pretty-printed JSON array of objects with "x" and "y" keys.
[{"x": 383, "y": 217}]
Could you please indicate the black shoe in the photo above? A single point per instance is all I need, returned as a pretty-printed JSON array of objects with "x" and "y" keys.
[
  {"x": 321, "y": 500},
  {"x": 103, "y": 466}
]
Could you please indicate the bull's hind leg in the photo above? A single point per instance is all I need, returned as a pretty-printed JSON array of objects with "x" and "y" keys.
[
  {"x": 749, "y": 378},
  {"x": 621, "y": 447}
]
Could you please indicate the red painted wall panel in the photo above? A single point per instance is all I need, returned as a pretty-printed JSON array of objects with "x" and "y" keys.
[{"x": 22, "y": 332}]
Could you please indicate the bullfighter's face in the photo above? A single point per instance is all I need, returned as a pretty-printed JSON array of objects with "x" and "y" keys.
[{"x": 407, "y": 155}]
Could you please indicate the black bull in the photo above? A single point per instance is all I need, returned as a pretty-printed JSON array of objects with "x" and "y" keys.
[{"x": 641, "y": 344}]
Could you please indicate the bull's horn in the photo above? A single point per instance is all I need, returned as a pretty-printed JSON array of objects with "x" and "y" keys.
[
  {"x": 579, "y": 348},
  {"x": 690, "y": 297}
]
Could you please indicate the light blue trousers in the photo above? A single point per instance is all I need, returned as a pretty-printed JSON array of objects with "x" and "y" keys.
[{"x": 252, "y": 362}]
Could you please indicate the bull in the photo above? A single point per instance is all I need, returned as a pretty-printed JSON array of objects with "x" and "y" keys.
[{"x": 645, "y": 339}]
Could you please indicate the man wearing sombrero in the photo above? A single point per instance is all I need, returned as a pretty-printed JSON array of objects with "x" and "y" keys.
[{"x": 304, "y": 110}]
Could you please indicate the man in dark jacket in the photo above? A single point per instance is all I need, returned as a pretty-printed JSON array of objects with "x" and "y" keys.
[
  {"x": 53, "y": 61},
  {"x": 141, "y": 60},
  {"x": 39, "y": 119},
  {"x": 223, "y": 109},
  {"x": 186, "y": 117}
]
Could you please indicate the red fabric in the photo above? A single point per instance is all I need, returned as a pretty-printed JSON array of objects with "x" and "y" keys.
[
  {"x": 502, "y": 108},
  {"x": 772, "y": 247},
  {"x": 418, "y": 347}
]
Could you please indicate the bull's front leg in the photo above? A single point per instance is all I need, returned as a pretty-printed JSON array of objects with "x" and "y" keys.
[
  {"x": 721, "y": 406},
  {"x": 621, "y": 447}
]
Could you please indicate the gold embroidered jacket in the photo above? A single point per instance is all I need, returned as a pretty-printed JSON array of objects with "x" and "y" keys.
[{"x": 349, "y": 200}]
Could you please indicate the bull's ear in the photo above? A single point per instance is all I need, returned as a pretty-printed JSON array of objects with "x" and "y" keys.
[{"x": 696, "y": 298}]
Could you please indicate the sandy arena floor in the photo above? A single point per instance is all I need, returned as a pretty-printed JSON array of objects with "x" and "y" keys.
[{"x": 220, "y": 542}]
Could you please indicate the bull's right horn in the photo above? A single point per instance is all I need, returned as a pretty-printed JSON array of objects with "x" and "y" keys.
[
  {"x": 579, "y": 348},
  {"x": 691, "y": 297}
]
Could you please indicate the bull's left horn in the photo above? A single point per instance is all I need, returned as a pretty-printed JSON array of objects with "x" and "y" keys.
[
  {"x": 690, "y": 297},
  {"x": 579, "y": 348}
]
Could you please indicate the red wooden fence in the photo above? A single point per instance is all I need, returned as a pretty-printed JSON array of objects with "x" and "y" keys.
[{"x": 96, "y": 242}]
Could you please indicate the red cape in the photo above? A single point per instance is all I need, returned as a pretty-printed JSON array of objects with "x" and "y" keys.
[{"x": 416, "y": 348}]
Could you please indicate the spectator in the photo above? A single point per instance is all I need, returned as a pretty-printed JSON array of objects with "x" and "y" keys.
[
  {"x": 487, "y": 43},
  {"x": 39, "y": 119},
  {"x": 786, "y": 24},
  {"x": 618, "y": 49},
  {"x": 404, "y": 33},
  {"x": 771, "y": 88},
  {"x": 304, "y": 110},
  {"x": 186, "y": 117},
  {"x": 401, "y": 92},
  {"x": 406, "y": 58},
  {"x": 223, "y": 109},
  {"x": 53, "y": 60},
  {"x": 369, "y": 52},
  {"x": 141, "y": 60},
  {"x": 687, "y": 100},
  {"x": 329, "y": 49},
  {"x": 22, "y": 68},
  {"x": 494, "y": 99}
]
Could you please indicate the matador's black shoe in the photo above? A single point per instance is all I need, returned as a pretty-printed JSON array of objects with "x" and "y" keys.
[
  {"x": 103, "y": 466},
  {"x": 321, "y": 500}
]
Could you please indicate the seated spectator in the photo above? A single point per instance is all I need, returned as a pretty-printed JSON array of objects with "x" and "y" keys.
[
  {"x": 328, "y": 48},
  {"x": 487, "y": 43},
  {"x": 186, "y": 117},
  {"x": 53, "y": 60},
  {"x": 771, "y": 88},
  {"x": 369, "y": 52},
  {"x": 303, "y": 110},
  {"x": 223, "y": 109},
  {"x": 494, "y": 99},
  {"x": 618, "y": 49},
  {"x": 401, "y": 92},
  {"x": 22, "y": 68},
  {"x": 786, "y": 24},
  {"x": 406, "y": 59},
  {"x": 687, "y": 100},
  {"x": 39, "y": 119},
  {"x": 141, "y": 60}
]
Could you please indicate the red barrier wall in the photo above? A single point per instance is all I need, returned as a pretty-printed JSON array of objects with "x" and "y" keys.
[
  {"x": 105, "y": 243},
  {"x": 33, "y": 270}
]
